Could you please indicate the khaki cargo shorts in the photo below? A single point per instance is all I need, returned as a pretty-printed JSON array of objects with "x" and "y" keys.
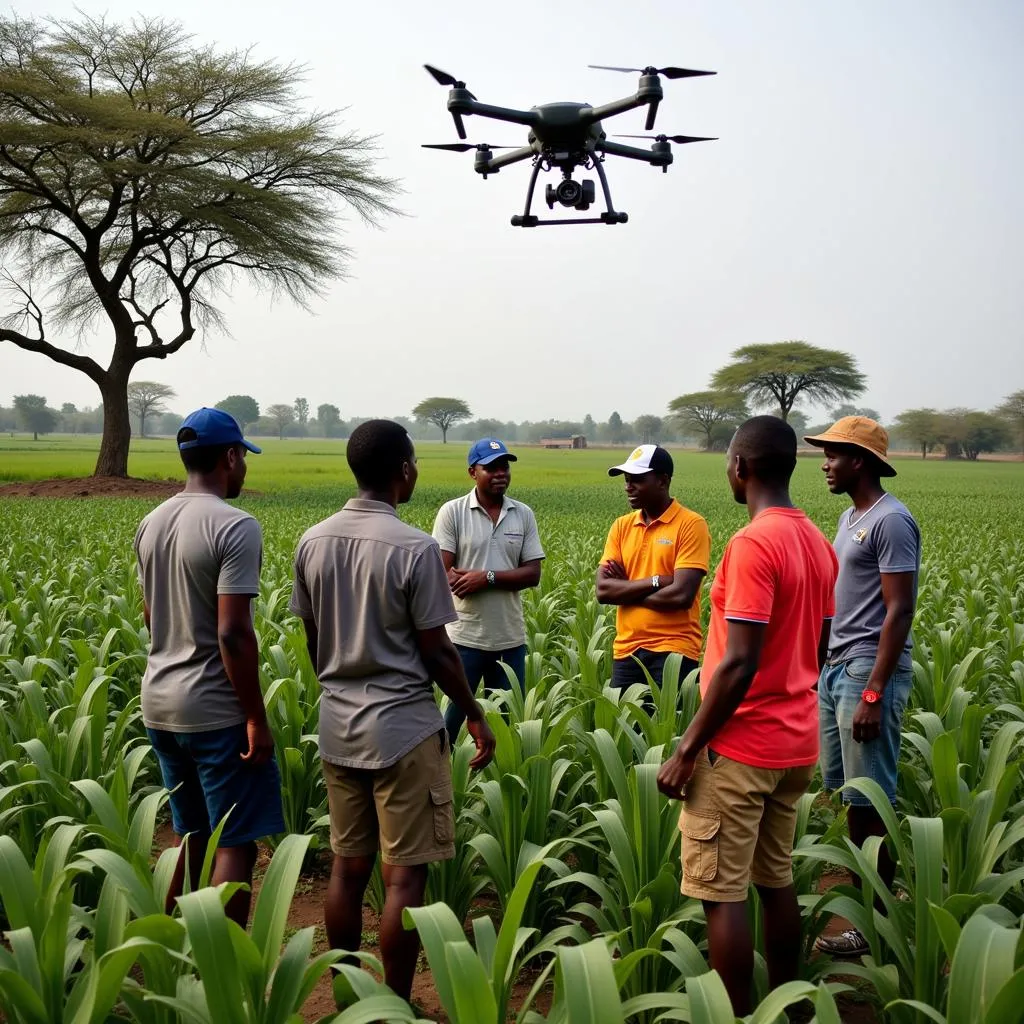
[
  {"x": 737, "y": 826},
  {"x": 404, "y": 810}
]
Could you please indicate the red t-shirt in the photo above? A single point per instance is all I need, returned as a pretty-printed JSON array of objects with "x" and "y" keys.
[{"x": 780, "y": 570}]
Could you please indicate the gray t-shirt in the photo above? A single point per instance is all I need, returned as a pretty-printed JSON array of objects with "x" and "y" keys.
[
  {"x": 885, "y": 539},
  {"x": 369, "y": 582},
  {"x": 489, "y": 620},
  {"x": 190, "y": 549}
]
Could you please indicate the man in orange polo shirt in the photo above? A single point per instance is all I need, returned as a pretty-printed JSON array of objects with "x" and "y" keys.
[
  {"x": 653, "y": 563},
  {"x": 750, "y": 751}
]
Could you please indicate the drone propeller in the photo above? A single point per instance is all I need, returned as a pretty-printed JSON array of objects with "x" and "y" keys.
[
  {"x": 679, "y": 139},
  {"x": 462, "y": 147},
  {"x": 667, "y": 72},
  {"x": 443, "y": 78}
]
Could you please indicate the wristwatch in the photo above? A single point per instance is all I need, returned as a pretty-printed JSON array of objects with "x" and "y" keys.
[
  {"x": 870, "y": 696},
  {"x": 490, "y": 577},
  {"x": 655, "y": 581}
]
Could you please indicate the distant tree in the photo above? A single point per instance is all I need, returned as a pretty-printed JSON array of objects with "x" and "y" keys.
[
  {"x": 281, "y": 416},
  {"x": 984, "y": 432},
  {"x": 302, "y": 411},
  {"x": 589, "y": 427},
  {"x": 169, "y": 423},
  {"x": 35, "y": 415},
  {"x": 703, "y": 411},
  {"x": 141, "y": 172},
  {"x": 923, "y": 427},
  {"x": 68, "y": 417},
  {"x": 329, "y": 418},
  {"x": 616, "y": 429},
  {"x": 853, "y": 410},
  {"x": 1012, "y": 410},
  {"x": 780, "y": 373},
  {"x": 146, "y": 398},
  {"x": 442, "y": 412},
  {"x": 647, "y": 428},
  {"x": 244, "y": 408}
]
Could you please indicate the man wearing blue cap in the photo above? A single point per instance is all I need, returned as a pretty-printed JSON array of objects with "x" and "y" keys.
[
  {"x": 491, "y": 549},
  {"x": 199, "y": 565}
]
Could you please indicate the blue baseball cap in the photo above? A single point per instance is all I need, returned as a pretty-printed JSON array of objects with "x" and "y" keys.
[
  {"x": 214, "y": 427},
  {"x": 487, "y": 449}
]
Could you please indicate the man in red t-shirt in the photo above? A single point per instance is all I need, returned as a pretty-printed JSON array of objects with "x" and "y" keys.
[{"x": 750, "y": 752}]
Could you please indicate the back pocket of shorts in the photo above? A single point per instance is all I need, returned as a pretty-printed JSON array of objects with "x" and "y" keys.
[
  {"x": 444, "y": 812},
  {"x": 700, "y": 845}
]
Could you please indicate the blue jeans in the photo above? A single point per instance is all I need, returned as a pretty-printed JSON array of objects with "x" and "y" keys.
[
  {"x": 842, "y": 757},
  {"x": 484, "y": 665},
  {"x": 210, "y": 778}
]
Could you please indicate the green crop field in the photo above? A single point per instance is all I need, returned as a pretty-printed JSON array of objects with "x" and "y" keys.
[{"x": 563, "y": 902}]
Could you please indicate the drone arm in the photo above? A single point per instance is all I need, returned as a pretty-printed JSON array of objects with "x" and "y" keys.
[
  {"x": 497, "y": 162},
  {"x": 634, "y": 153},
  {"x": 617, "y": 107},
  {"x": 471, "y": 106}
]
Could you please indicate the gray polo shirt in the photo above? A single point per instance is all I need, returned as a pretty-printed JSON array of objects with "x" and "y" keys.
[
  {"x": 492, "y": 619},
  {"x": 190, "y": 549},
  {"x": 885, "y": 539},
  {"x": 369, "y": 582}
]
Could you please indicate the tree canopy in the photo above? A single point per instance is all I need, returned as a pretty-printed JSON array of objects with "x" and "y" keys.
[
  {"x": 141, "y": 173},
  {"x": 704, "y": 411},
  {"x": 244, "y": 408},
  {"x": 329, "y": 418},
  {"x": 147, "y": 397},
  {"x": 780, "y": 373},
  {"x": 442, "y": 412},
  {"x": 1012, "y": 410},
  {"x": 35, "y": 414},
  {"x": 922, "y": 426},
  {"x": 282, "y": 416}
]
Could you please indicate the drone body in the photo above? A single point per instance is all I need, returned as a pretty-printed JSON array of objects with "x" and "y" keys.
[{"x": 565, "y": 136}]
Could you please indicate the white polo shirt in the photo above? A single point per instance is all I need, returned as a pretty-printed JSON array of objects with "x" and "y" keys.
[{"x": 491, "y": 619}]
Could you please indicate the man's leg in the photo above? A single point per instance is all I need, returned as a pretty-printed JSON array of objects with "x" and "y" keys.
[
  {"x": 235, "y": 864},
  {"x": 495, "y": 676},
  {"x": 192, "y": 861},
  {"x": 731, "y": 951},
  {"x": 399, "y": 949},
  {"x": 473, "y": 663},
  {"x": 343, "y": 908},
  {"x": 781, "y": 933}
]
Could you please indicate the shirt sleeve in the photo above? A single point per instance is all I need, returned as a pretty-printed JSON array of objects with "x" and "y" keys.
[
  {"x": 750, "y": 581},
  {"x": 445, "y": 532},
  {"x": 300, "y": 603},
  {"x": 241, "y": 558},
  {"x": 532, "y": 549},
  {"x": 897, "y": 544},
  {"x": 693, "y": 545},
  {"x": 138, "y": 554},
  {"x": 613, "y": 546},
  {"x": 430, "y": 595}
]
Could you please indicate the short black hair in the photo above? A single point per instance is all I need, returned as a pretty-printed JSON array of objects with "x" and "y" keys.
[
  {"x": 768, "y": 446},
  {"x": 203, "y": 459},
  {"x": 376, "y": 451}
]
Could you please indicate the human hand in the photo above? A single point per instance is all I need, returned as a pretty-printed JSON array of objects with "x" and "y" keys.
[
  {"x": 261, "y": 741},
  {"x": 613, "y": 571},
  {"x": 675, "y": 773},
  {"x": 484, "y": 740},
  {"x": 469, "y": 582},
  {"x": 867, "y": 721}
]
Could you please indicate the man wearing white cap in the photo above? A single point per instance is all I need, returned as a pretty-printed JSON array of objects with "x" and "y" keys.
[
  {"x": 866, "y": 681},
  {"x": 653, "y": 564}
]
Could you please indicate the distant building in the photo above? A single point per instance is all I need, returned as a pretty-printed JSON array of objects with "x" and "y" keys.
[{"x": 576, "y": 441}]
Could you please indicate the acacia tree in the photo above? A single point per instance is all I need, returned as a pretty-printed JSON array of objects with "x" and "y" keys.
[
  {"x": 1012, "y": 410},
  {"x": 147, "y": 397},
  {"x": 140, "y": 174},
  {"x": 282, "y": 416},
  {"x": 706, "y": 410},
  {"x": 922, "y": 426},
  {"x": 780, "y": 373},
  {"x": 442, "y": 412}
]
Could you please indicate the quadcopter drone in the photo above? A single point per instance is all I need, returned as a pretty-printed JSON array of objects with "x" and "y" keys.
[{"x": 566, "y": 136}]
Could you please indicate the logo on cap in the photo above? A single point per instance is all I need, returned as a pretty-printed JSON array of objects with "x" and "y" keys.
[
  {"x": 495, "y": 445},
  {"x": 637, "y": 452}
]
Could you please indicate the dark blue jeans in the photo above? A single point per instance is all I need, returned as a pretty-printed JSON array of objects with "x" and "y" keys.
[
  {"x": 626, "y": 671},
  {"x": 484, "y": 665}
]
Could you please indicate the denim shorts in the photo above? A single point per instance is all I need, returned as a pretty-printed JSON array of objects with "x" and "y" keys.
[
  {"x": 208, "y": 778},
  {"x": 842, "y": 757}
]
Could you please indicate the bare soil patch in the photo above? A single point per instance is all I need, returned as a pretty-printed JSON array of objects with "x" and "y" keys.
[{"x": 91, "y": 487}]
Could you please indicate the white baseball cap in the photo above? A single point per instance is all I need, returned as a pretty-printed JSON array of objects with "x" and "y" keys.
[{"x": 647, "y": 458}]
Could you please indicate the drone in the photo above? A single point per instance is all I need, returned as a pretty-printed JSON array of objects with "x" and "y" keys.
[{"x": 565, "y": 136}]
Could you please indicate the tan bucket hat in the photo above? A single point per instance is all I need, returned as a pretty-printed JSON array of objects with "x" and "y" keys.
[{"x": 861, "y": 432}]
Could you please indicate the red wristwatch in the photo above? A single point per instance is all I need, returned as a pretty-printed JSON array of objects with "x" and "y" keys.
[{"x": 870, "y": 696}]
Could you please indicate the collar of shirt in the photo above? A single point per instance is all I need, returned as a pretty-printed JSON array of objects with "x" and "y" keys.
[
  {"x": 506, "y": 501},
  {"x": 667, "y": 516},
  {"x": 366, "y": 505}
]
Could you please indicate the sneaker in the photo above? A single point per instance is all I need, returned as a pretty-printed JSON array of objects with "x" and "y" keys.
[{"x": 847, "y": 943}]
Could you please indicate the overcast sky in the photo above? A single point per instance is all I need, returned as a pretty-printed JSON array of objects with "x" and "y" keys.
[{"x": 865, "y": 194}]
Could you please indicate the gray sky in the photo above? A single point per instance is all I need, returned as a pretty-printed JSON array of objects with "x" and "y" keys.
[{"x": 865, "y": 195}]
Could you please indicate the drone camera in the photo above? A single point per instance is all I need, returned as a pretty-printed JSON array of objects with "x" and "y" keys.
[{"x": 575, "y": 194}]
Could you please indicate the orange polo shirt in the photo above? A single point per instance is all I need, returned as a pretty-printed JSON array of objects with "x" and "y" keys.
[{"x": 678, "y": 539}]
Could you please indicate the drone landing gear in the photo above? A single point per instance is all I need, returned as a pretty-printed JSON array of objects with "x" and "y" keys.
[{"x": 610, "y": 216}]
